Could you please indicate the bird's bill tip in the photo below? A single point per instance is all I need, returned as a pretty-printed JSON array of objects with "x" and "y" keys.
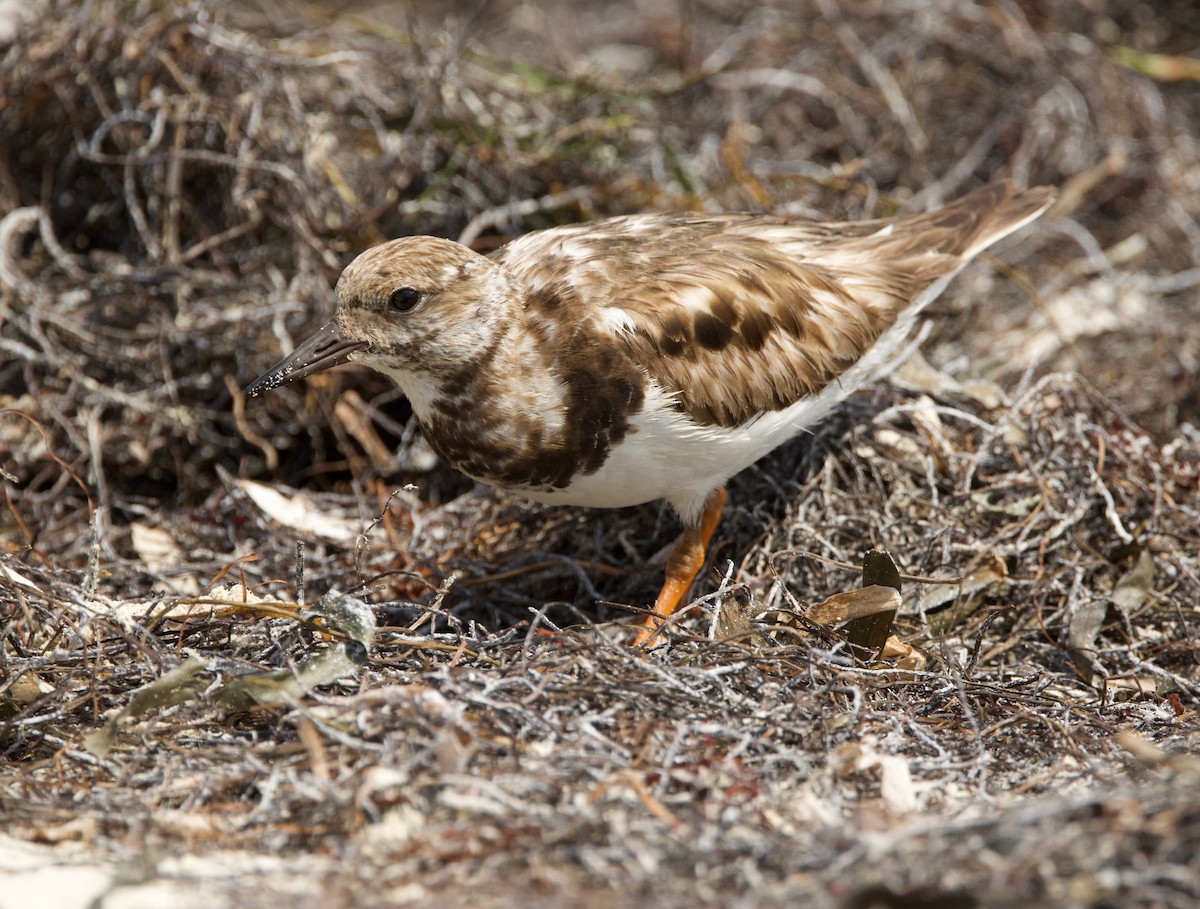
[{"x": 324, "y": 350}]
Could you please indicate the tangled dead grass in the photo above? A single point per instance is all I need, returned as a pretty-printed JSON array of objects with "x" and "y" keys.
[{"x": 182, "y": 187}]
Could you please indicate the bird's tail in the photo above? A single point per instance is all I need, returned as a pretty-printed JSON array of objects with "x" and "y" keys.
[{"x": 969, "y": 225}]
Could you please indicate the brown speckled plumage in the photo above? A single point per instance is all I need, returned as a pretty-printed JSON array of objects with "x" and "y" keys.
[
  {"x": 646, "y": 357},
  {"x": 649, "y": 356},
  {"x": 781, "y": 307}
]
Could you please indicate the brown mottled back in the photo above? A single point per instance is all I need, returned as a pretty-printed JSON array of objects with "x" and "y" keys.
[{"x": 740, "y": 314}]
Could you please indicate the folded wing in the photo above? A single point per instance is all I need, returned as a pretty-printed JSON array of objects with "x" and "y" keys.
[{"x": 739, "y": 315}]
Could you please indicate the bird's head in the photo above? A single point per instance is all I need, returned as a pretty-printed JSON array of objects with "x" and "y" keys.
[{"x": 414, "y": 306}]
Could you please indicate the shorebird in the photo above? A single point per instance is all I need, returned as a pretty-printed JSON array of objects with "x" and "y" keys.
[{"x": 645, "y": 357}]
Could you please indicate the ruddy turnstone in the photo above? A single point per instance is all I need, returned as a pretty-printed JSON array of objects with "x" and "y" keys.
[{"x": 645, "y": 357}]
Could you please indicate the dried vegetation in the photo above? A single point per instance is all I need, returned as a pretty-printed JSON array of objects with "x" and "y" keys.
[{"x": 181, "y": 184}]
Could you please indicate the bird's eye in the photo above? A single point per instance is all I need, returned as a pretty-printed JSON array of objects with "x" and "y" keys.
[{"x": 404, "y": 299}]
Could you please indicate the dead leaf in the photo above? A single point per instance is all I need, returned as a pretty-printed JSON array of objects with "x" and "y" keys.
[
  {"x": 298, "y": 512},
  {"x": 868, "y": 633},
  {"x": 1136, "y": 586},
  {"x": 155, "y": 546},
  {"x": 732, "y": 616},
  {"x": 18, "y": 578},
  {"x": 989, "y": 569},
  {"x": 904, "y": 656},
  {"x": 854, "y": 604}
]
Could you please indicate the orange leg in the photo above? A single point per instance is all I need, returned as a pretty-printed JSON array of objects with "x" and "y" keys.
[{"x": 685, "y": 562}]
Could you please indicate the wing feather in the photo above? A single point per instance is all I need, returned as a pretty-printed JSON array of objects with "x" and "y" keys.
[{"x": 737, "y": 315}]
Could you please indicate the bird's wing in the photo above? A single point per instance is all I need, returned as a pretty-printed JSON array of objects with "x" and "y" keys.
[{"x": 738, "y": 315}]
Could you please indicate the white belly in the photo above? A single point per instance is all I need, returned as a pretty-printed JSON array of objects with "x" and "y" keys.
[{"x": 667, "y": 456}]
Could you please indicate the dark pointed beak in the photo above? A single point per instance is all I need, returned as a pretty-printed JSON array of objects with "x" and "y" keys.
[{"x": 325, "y": 349}]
